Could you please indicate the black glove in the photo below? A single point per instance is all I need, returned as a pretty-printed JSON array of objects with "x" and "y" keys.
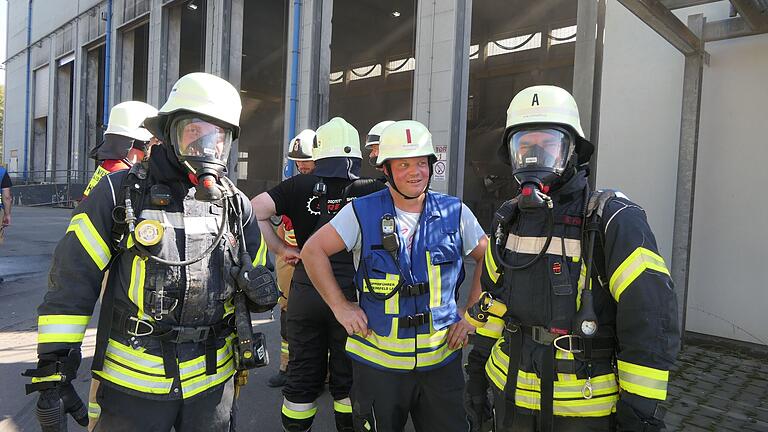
[
  {"x": 53, "y": 379},
  {"x": 629, "y": 420},
  {"x": 258, "y": 284}
]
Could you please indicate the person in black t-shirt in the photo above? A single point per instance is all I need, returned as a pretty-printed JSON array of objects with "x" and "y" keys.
[
  {"x": 311, "y": 200},
  {"x": 5, "y": 202}
]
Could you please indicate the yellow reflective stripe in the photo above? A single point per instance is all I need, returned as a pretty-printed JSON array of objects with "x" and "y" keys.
[
  {"x": 636, "y": 263},
  {"x": 376, "y": 356},
  {"x": 490, "y": 265},
  {"x": 134, "y": 359},
  {"x": 136, "y": 287},
  {"x": 229, "y": 307},
  {"x": 562, "y": 355},
  {"x": 261, "y": 254},
  {"x": 595, "y": 407},
  {"x": 492, "y": 329},
  {"x": 534, "y": 245},
  {"x": 435, "y": 284},
  {"x": 299, "y": 411},
  {"x": 496, "y": 366},
  {"x": 203, "y": 382},
  {"x": 601, "y": 385},
  {"x": 134, "y": 380},
  {"x": 343, "y": 405},
  {"x": 61, "y": 328},
  {"x": 381, "y": 286},
  {"x": 392, "y": 304},
  {"x": 90, "y": 240},
  {"x": 94, "y": 410},
  {"x": 50, "y": 378},
  {"x": 284, "y": 347},
  {"x": 642, "y": 380},
  {"x": 100, "y": 172},
  {"x": 431, "y": 358},
  {"x": 195, "y": 366}
]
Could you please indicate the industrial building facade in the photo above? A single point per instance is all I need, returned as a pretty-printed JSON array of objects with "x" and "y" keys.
[{"x": 453, "y": 65}]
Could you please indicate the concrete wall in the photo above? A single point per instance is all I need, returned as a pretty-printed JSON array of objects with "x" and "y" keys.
[
  {"x": 640, "y": 108},
  {"x": 727, "y": 294}
]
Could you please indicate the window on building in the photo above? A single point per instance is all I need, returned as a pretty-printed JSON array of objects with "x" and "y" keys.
[
  {"x": 140, "y": 62},
  {"x": 509, "y": 52},
  {"x": 372, "y": 63},
  {"x": 192, "y": 46},
  {"x": 262, "y": 88}
]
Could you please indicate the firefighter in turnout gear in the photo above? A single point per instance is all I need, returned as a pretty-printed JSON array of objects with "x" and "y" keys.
[
  {"x": 590, "y": 316},
  {"x": 315, "y": 338},
  {"x": 186, "y": 262},
  {"x": 126, "y": 141},
  {"x": 406, "y": 333},
  {"x": 300, "y": 152}
]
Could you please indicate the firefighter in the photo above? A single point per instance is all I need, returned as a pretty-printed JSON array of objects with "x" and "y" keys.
[
  {"x": 178, "y": 239},
  {"x": 311, "y": 201},
  {"x": 372, "y": 141},
  {"x": 406, "y": 333},
  {"x": 300, "y": 152},
  {"x": 578, "y": 281},
  {"x": 126, "y": 141}
]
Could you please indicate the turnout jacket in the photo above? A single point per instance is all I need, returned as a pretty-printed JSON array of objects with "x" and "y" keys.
[
  {"x": 195, "y": 297},
  {"x": 633, "y": 299}
]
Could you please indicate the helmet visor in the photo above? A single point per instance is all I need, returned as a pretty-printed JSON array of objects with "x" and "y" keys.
[
  {"x": 540, "y": 149},
  {"x": 201, "y": 139}
]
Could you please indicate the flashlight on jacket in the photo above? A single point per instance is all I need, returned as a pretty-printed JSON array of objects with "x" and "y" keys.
[{"x": 486, "y": 306}]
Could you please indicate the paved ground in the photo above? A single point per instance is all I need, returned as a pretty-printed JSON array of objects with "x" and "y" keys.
[{"x": 713, "y": 387}]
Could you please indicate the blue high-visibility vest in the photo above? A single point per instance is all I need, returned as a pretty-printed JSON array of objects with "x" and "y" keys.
[{"x": 409, "y": 329}]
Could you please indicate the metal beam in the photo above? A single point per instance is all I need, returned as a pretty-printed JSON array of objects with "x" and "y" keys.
[
  {"x": 686, "y": 170},
  {"x": 678, "y": 4},
  {"x": 750, "y": 13},
  {"x": 666, "y": 24},
  {"x": 728, "y": 29}
]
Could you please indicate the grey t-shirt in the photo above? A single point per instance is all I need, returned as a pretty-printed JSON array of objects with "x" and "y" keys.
[{"x": 346, "y": 225}]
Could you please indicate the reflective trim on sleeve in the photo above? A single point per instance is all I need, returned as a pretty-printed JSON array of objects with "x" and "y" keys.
[
  {"x": 100, "y": 172},
  {"x": 343, "y": 406},
  {"x": 94, "y": 410},
  {"x": 90, "y": 240},
  {"x": 61, "y": 328},
  {"x": 260, "y": 258},
  {"x": 299, "y": 411},
  {"x": 640, "y": 260},
  {"x": 490, "y": 265},
  {"x": 643, "y": 380},
  {"x": 284, "y": 347}
]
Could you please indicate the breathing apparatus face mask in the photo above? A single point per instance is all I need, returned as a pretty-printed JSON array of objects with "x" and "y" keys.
[
  {"x": 202, "y": 147},
  {"x": 539, "y": 157}
]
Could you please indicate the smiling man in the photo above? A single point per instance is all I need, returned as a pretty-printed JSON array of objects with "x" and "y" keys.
[{"x": 406, "y": 332}]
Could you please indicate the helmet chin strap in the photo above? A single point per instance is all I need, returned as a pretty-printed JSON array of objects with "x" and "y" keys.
[{"x": 388, "y": 175}]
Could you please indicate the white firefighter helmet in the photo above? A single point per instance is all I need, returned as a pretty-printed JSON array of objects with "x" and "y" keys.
[
  {"x": 542, "y": 105},
  {"x": 337, "y": 138},
  {"x": 201, "y": 93},
  {"x": 126, "y": 119},
  {"x": 405, "y": 139},
  {"x": 300, "y": 148},
  {"x": 374, "y": 135}
]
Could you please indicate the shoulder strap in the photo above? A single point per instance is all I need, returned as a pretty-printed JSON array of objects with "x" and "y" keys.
[
  {"x": 136, "y": 175},
  {"x": 597, "y": 201}
]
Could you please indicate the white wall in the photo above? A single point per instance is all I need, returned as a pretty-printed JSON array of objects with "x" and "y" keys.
[
  {"x": 640, "y": 107},
  {"x": 728, "y": 291}
]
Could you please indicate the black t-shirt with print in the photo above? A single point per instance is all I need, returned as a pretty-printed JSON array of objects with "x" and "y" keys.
[{"x": 296, "y": 199}]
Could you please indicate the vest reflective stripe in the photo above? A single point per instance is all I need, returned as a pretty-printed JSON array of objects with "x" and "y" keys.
[
  {"x": 90, "y": 239},
  {"x": 378, "y": 357},
  {"x": 533, "y": 245},
  {"x": 299, "y": 411},
  {"x": 636, "y": 263},
  {"x": 260, "y": 258},
  {"x": 134, "y": 359},
  {"x": 127, "y": 378},
  {"x": 61, "y": 328},
  {"x": 203, "y": 382},
  {"x": 568, "y": 398},
  {"x": 100, "y": 172},
  {"x": 136, "y": 287},
  {"x": 435, "y": 283},
  {"x": 94, "y": 410},
  {"x": 343, "y": 406},
  {"x": 490, "y": 265},
  {"x": 492, "y": 329},
  {"x": 642, "y": 380},
  {"x": 392, "y": 304}
]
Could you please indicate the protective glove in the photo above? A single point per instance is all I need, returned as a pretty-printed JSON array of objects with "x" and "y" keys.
[
  {"x": 629, "y": 420},
  {"x": 257, "y": 283},
  {"x": 53, "y": 379}
]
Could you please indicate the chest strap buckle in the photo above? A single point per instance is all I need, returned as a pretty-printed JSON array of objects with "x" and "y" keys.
[
  {"x": 412, "y": 290},
  {"x": 574, "y": 341},
  {"x": 413, "y": 320}
]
